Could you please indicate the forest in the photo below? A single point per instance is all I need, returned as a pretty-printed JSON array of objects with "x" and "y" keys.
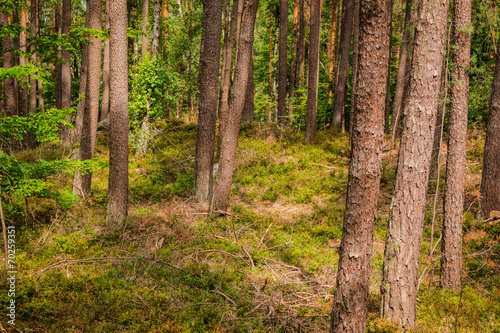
[{"x": 250, "y": 166}]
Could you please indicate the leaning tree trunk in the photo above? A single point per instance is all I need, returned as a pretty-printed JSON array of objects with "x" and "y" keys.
[
  {"x": 406, "y": 216},
  {"x": 282, "y": 69},
  {"x": 118, "y": 122},
  {"x": 313, "y": 70},
  {"x": 230, "y": 136},
  {"x": 209, "y": 63},
  {"x": 343, "y": 69},
  {"x": 66, "y": 69},
  {"x": 105, "y": 70},
  {"x": 451, "y": 258},
  {"x": 350, "y": 311},
  {"x": 405, "y": 57},
  {"x": 490, "y": 191},
  {"x": 91, "y": 107}
]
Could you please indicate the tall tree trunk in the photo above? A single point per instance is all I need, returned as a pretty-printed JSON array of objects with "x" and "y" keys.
[
  {"x": 155, "y": 43},
  {"x": 248, "y": 109},
  {"x": 29, "y": 142},
  {"x": 301, "y": 45},
  {"x": 406, "y": 217},
  {"x": 209, "y": 63},
  {"x": 227, "y": 58},
  {"x": 230, "y": 136},
  {"x": 490, "y": 191},
  {"x": 350, "y": 311},
  {"x": 343, "y": 69},
  {"x": 270, "y": 80},
  {"x": 355, "y": 64},
  {"x": 83, "y": 85},
  {"x": 105, "y": 69},
  {"x": 9, "y": 82},
  {"x": 388, "y": 83},
  {"x": 165, "y": 18},
  {"x": 144, "y": 28},
  {"x": 282, "y": 70},
  {"x": 293, "y": 62},
  {"x": 58, "y": 66},
  {"x": 23, "y": 61},
  {"x": 313, "y": 70},
  {"x": 66, "y": 69},
  {"x": 118, "y": 124},
  {"x": 332, "y": 41},
  {"x": 91, "y": 107},
  {"x": 405, "y": 60},
  {"x": 451, "y": 259}
]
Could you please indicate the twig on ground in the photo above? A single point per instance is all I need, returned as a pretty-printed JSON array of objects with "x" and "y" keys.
[
  {"x": 249, "y": 256},
  {"x": 262, "y": 239},
  {"x": 224, "y": 295}
]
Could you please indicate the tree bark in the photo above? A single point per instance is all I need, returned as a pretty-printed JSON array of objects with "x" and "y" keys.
[
  {"x": 405, "y": 60},
  {"x": 331, "y": 49},
  {"x": 293, "y": 62},
  {"x": 404, "y": 230},
  {"x": 451, "y": 259},
  {"x": 105, "y": 69},
  {"x": 155, "y": 43},
  {"x": 231, "y": 133},
  {"x": 209, "y": 68},
  {"x": 388, "y": 83},
  {"x": 355, "y": 64},
  {"x": 83, "y": 85},
  {"x": 313, "y": 70},
  {"x": 343, "y": 69},
  {"x": 118, "y": 124},
  {"x": 91, "y": 107},
  {"x": 490, "y": 191},
  {"x": 29, "y": 142},
  {"x": 58, "y": 66},
  {"x": 282, "y": 71},
  {"x": 66, "y": 69},
  {"x": 350, "y": 311},
  {"x": 23, "y": 61},
  {"x": 248, "y": 109},
  {"x": 144, "y": 28},
  {"x": 301, "y": 45}
]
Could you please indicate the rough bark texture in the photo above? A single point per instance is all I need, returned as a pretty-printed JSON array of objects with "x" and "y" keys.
[
  {"x": 118, "y": 124},
  {"x": 332, "y": 41},
  {"x": 388, "y": 83},
  {"x": 105, "y": 70},
  {"x": 227, "y": 55},
  {"x": 451, "y": 259},
  {"x": 29, "y": 142},
  {"x": 405, "y": 57},
  {"x": 248, "y": 109},
  {"x": 343, "y": 69},
  {"x": 490, "y": 191},
  {"x": 301, "y": 45},
  {"x": 404, "y": 230},
  {"x": 58, "y": 71},
  {"x": 355, "y": 60},
  {"x": 438, "y": 128},
  {"x": 25, "y": 102},
  {"x": 293, "y": 62},
  {"x": 66, "y": 68},
  {"x": 231, "y": 133},
  {"x": 282, "y": 71},
  {"x": 209, "y": 68},
  {"x": 144, "y": 28},
  {"x": 91, "y": 107},
  {"x": 83, "y": 86},
  {"x": 353, "y": 278},
  {"x": 155, "y": 43},
  {"x": 313, "y": 70}
]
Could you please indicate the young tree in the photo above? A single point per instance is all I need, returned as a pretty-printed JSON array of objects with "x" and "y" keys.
[
  {"x": 406, "y": 217},
  {"x": 451, "y": 259},
  {"x": 282, "y": 71},
  {"x": 210, "y": 55},
  {"x": 91, "y": 106},
  {"x": 343, "y": 67},
  {"x": 118, "y": 124},
  {"x": 230, "y": 136},
  {"x": 349, "y": 312},
  {"x": 313, "y": 70},
  {"x": 105, "y": 70},
  {"x": 490, "y": 191}
]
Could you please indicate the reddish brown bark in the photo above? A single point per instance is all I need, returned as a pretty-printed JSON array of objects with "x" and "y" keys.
[
  {"x": 406, "y": 217},
  {"x": 209, "y": 63},
  {"x": 451, "y": 259},
  {"x": 105, "y": 70},
  {"x": 355, "y": 63},
  {"x": 301, "y": 45},
  {"x": 331, "y": 49},
  {"x": 24, "y": 100},
  {"x": 83, "y": 86},
  {"x": 282, "y": 69},
  {"x": 29, "y": 141},
  {"x": 231, "y": 133},
  {"x": 293, "y": 62},
  {"x": 248, "y": 109},
  {"x": 350, "y": 311},
  {"x": 66, "y": 69}
]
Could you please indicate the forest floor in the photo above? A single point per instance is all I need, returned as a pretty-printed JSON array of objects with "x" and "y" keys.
[{"x": 269, "y": 265}]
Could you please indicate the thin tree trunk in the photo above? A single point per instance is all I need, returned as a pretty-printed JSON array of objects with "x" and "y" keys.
[
  {"x": 165, "y": 18},
  {"x": 144, "y": 28},
  {"x": 230, "y": 136},
  {"x": 23, "y": 61},
  {"x": 405, "y": 60},
  {"x": 155, "y": 43},
  {"x": 490, "y": 191},
  {"x": 105, "y": 69},
  {"x": 406, "y": 217},
  {"x": 451, "y": 259},
  {"x": 301, "y": 45},
  {"x": 293, "y": 62},
  {"x": 83, "y": 86},
  {"x": 209, "y": 61},
  {"x": 58, "y": 66},
  {"x": 29, "y": 142},
  {"x": 118, "y": 130},
  {"x": 227, "y": 59},
  {"x": 313, "y": 70},
  {"x": 270, "y": 81},
  {"x": 388, "y": 83},
  {"x": 349, "y": 313},
  {"x": 332, "y": 48},
  {"x": 91, "y": 107},
  {"x": 282, "y": 69},
  {"x": 66, "y": 69},
  {"x": 355, "y": 63},
  {"x": 248, "y": 109},
  {"x": 343, "y": 69}
]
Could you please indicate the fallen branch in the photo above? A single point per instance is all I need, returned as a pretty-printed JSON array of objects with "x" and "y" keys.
[{"x": 224, "y": 295}]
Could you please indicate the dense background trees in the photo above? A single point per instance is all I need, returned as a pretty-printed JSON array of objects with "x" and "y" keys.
[{"x": 132, "y": 79}]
